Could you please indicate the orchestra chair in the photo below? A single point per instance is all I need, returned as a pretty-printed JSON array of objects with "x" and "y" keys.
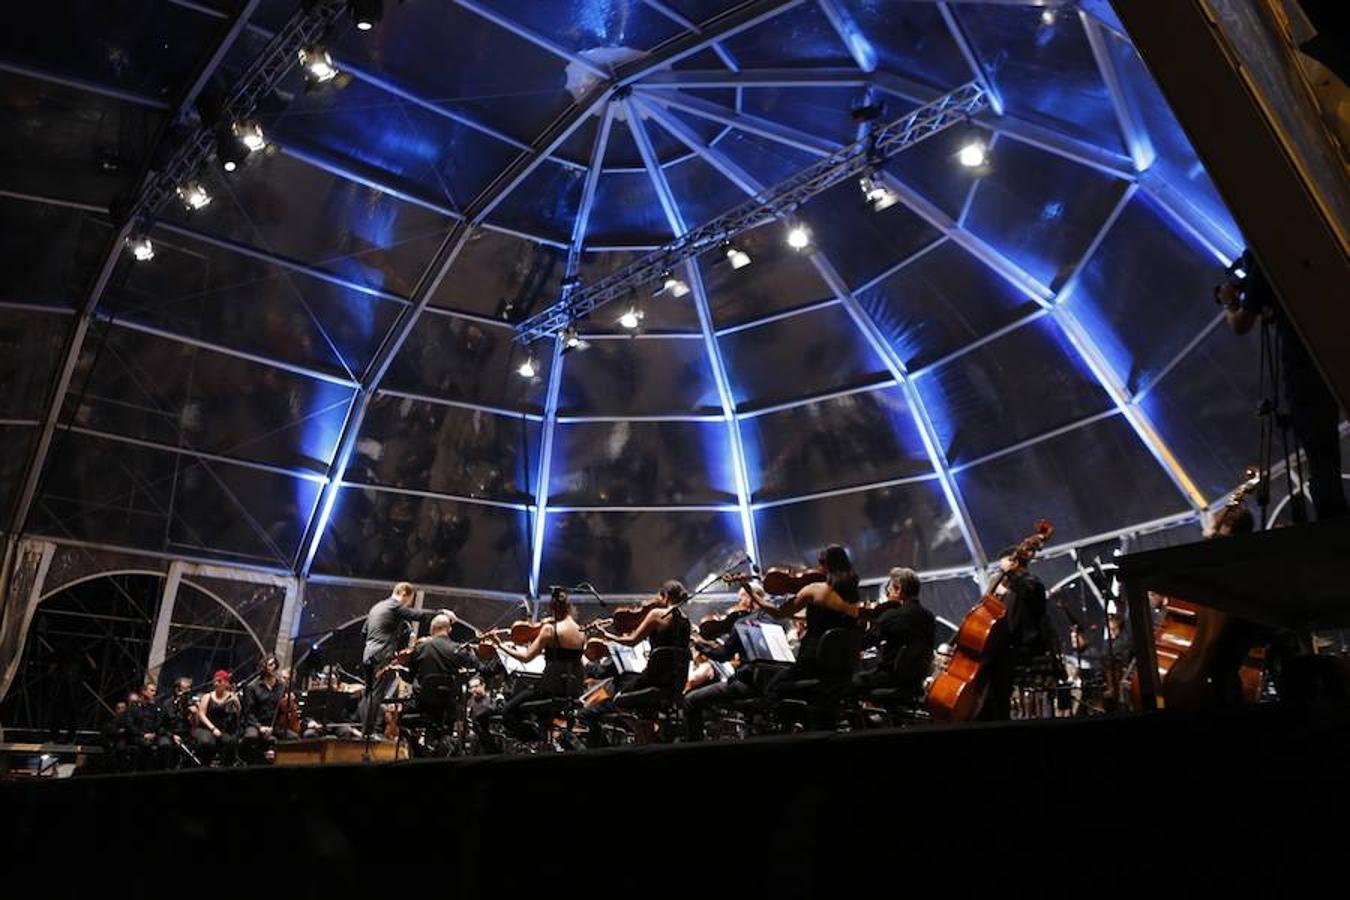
[
  {"x": 554, "y": 719},
  {"x": 819, "y": 700},
  {"x": 433, "y": 714},
  {"x": 658, "y": 708}
]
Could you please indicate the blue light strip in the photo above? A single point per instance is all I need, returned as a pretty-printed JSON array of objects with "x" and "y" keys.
[
  {"x": 1127, "y": 111},
  {"x": 705, "y": 321},
  {"x": 859, "y": 47}
]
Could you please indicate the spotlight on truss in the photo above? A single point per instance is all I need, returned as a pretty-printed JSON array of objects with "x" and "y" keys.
[
  {"x": 527, "y": 369},
  {"x": 798, "y": 237},
  {"x": 973, "y": 155},
  {"x": 631, "y": 319},
  {"x": 738, "y": 258},
  {"x": 318, "y": 65},
  {"x": 141, "y": 248},
  {"x": 193, "y": 195},
  {"x": 366, "y": 13},
  {"x": 878, "y": 196},
  {"x": 673, "y": 286},
  {"x": 250, "y": 134}
]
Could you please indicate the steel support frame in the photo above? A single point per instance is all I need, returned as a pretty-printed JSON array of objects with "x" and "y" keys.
[
  {"x": 715, "y": 360},
  {"x": 1128, "y": 115}
]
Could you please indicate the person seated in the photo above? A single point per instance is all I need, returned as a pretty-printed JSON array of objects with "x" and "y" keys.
[
  {"x": 262, "y": 724},
  {"x": 117, "y": 736},
  {"x": 146, "y": 720},
  {"x": 218, "y": 712},
  {"x": 904, "y": 632},
  {"x": 562, "y": 642},
  {"x": 828, "y": 605},
  {"x": 699, "y": 701},
  {"x": 177, "y": 717}
]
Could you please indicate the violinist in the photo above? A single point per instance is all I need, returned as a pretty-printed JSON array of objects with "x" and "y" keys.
[
  {"x": 1029, "y": 632},
  {"x": 561, "y": 641},
  {"x": 698, "y": 701},
  {"x": 218, "y": 721},
  {"x": 904, "y": 632},
  {"x": 262, "y": 700},
  {"x": 828, "y": 604}
]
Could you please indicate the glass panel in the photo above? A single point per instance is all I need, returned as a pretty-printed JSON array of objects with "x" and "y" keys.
[
  {"x": 115, "y": 493},
  {"x": 777, "y": 278},
  {"x": 836, "y": 443},
  {"x": 701, "y": 192},
  {"x": 544, "y": 204},
  {"x": 589, "y": 27},
  {"x": 1088, "y": 481},
  {"x": 460, "y": 359},
  {"x": 1206, "y": 409},
  {"x": 910, "y": 38},
  {"x": 147, "y": 387},
  {"x": 255, "y": 605},
  {"x": 296, "y": 210},
  {"x": 861, "y": 244},
  {"x": 61, "y": 249},
  {"x": 641, "y": 464},
  {"x": 497, "y": 274},
  {"x": 626, "y": 211},
  {"x": 71, "y": 144},
  {"x": 427, "y": 446},
  {"x": 1027, "y": 382},
  {"x": 659, "y": 314},
  {"x": 634, "y": 552},
  {"x": 443, "y": 159},
  {"x": 152, "y": 46},
  {"x": 492, "y": 76},
  {"x": 31, "y": 348},
  {"x": 930, "y": 167},
  {"x": 949, "y": 599},
  {"x": 1176, "y": 160},
  {"x": 16, "y": 443},
  {"x": 941, "y": 302},
  {"x": 902, "y": 525},
  {"x": 1146, "y": 292},
  {"x": 821, "y": 111},
  {"x": 1044, "y": 69},
  {"x": 801, "y": 356},
  {"x": 621, "y": 151},
  {"x": 643, "y": 377},
  {"x": 801, "y": 37},
  {"x": 389, "y": 536},
  {"x": 201, "y": 291},
  {"x": 768, "y": 162},
  {"x": 205, "y": 636},
  {"x": 1041, "y": 210}
]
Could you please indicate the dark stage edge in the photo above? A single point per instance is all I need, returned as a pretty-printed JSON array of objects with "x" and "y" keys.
[{"x": 1162, "y": 801}]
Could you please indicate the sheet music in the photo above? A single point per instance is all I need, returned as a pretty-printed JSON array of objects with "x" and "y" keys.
[
  {"x": 514, "y": 666},
  {"x": 629, "y": 660},
  {"x": 764, "y": 641},
  {"x": 778, "y": 643}
]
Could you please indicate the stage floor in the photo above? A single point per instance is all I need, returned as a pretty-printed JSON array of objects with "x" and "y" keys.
[{"x": 1257, "y": 794}]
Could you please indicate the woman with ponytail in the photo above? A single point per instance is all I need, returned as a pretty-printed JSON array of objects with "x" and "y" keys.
[{"x": 561, "y": 641}]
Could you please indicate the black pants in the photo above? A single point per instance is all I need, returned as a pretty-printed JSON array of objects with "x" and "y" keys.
[
  {"x": 253, "y": 744},
  {"x": 697, "y": 703},
  {"x": 223, "y": 749},
  {"x": 376, "y": 692}
]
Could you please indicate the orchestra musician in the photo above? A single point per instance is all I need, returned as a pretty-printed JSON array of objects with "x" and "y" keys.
[
  {"x": 218, "y": 710},
  {"x": 664, "y": 625},
  {"x": 387, "y": 629},
  {"x": 829, "y": 604},
  {"x": 437, "y": 657},
  {"x": 699, "y": 701},
  {"x": 262, "y": 700},
  {"x": 1029, "y": 633},
  {"x": 904, "y": 632},
  {"x": 178, "y": 715},
  {"x": 562, "y": 642}
]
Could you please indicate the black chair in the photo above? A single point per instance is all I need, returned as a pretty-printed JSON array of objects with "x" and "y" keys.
[
  {"x": 819, "y": 697},
  {"x": 433, "y": 715},
  {"x": 659, "y": 703},
  {"x": 543, "y": 713}
]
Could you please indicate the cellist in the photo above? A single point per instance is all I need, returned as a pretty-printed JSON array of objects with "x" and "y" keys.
[{"x": 1029, "y": 632}]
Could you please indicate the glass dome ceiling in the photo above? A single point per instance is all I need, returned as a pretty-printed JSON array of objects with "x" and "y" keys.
[{"x": 286, "y": 384}]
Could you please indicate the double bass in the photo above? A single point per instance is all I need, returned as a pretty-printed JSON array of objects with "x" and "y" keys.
[{"x": 958, "y": 692}]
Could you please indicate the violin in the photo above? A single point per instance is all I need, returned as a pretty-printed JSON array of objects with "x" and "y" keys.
[
  {"x": 957, "y": 694},
  {"x": 778, "y": 581}
]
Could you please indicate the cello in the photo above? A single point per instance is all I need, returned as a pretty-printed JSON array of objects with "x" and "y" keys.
[{"x": 957, "y": 694}]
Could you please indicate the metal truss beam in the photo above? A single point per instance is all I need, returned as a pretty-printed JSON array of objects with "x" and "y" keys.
[
  {"x": 970, "y": 55},
  {"x": 156, "y": 186},
  {"x": 1128, "y": 115},
  {"x": 714, "y": 351},
  {"x": 782, "y": 200}
]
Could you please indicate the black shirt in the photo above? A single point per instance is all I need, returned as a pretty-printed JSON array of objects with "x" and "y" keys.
[
  {"x": 1028, "y": 627},
  {"x": 177, "y": 715},
  {"x": 908, "y": 633},
  {"x": 819, "y": 620},
  {"x": 440, "y": 656},
  {"x": 260, "y": 703},
  {"x": 143, "y": 718}
]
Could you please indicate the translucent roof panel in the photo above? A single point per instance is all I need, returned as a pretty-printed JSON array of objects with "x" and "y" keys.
[{"x": 290, "y": 378}]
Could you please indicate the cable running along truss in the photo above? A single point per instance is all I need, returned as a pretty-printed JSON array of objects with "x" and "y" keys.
[{"x": 779, "y": 201}]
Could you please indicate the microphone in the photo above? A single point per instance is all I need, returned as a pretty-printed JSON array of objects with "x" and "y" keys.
[{"x": 590, "y": 589}]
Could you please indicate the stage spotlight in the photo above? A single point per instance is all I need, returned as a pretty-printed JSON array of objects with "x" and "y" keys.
[
  {"x": 141, "y": 248},
  {"x": 798, "y": 238},
  {"x": 973, "y": 155},
  {"x": 674, "y": 286},
  {"x": 738, "y": 258},
  {"x": 193, "y": 195},
  {"x": 366, "y": 13},
  {"x": 878, "y": 196},
  {"x": 571, "y": 340},
  {"x": 318, "y": 64},
  {"x": 631, "y": 319},
  {"x": 1048, "y": 17},
  {"x": 527, "y": 369},
  {"x": 229, "y": 150},
  {"x": 250, "y": 134}
]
